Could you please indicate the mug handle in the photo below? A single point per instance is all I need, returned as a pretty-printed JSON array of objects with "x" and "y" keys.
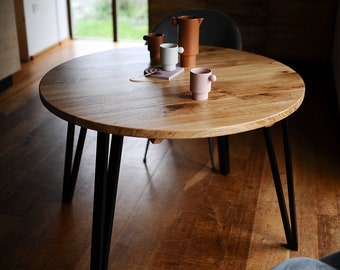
[
  {"x": 212, "y": 78},
  {"x": 174, "y": 21}
]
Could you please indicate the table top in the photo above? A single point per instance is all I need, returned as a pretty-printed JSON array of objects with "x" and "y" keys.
[{"x": 95, "y": 92}]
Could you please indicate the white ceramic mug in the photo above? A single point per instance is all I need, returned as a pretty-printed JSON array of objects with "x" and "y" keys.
[
  {"x": 200, "y": 82},
  {"x": 169, "y": 55}
]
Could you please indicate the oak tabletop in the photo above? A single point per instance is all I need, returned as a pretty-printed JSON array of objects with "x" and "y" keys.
[{"x": 95, "y": 92}]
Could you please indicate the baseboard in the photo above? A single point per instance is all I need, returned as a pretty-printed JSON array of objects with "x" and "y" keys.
[{"x": 6, "y": 83}]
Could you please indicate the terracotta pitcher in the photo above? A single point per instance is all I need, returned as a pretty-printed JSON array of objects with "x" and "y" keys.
[
  {"x": 154, "y": 40},
  {"x": 188, "y": 38}
]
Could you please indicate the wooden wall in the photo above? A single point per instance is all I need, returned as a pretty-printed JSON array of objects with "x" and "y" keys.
[
  {"x": 291, "y": 29},
  {"x": 336, "y": 55}
]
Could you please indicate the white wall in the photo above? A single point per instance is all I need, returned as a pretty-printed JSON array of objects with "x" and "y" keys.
[
  {"x": 46, "y": 23},
  {"x": 62, "y": 23},
  {"x": 336, "y": 54}
]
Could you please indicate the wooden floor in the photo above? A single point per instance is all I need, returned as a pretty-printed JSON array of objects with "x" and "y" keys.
[{"x": 173, "y": 212}]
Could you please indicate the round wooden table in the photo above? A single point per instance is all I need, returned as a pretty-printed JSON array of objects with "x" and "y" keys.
[{"x": 96, "y": 92}]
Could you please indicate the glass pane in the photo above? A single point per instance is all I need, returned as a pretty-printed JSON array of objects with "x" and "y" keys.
[
  {"x": 92, "y": 18},
  {"x": 132, "y": 19}
]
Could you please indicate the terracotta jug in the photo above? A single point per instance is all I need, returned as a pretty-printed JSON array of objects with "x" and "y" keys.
[
  {"x": 154, "y": 40},
  {"x": 188, "y": 38}
]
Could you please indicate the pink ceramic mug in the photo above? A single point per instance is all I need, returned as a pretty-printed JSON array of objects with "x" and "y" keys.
[{"x": 200, "y": 82}]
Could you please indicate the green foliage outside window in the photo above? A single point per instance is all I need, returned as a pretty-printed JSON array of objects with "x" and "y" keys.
[{"x": 96, "y": 22}]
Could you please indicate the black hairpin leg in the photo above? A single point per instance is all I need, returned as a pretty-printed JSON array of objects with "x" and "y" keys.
[
  {"x": 71, "y": 170},
  {"x": 211, "y": 154},
  {"x": 105, "y": 192},
  {"x": 223, "y": 153},
  {"x": 146, "y": 150},
  {"x": 290, "y": 226}
]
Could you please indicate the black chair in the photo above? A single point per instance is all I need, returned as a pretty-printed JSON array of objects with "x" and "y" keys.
[{"x": 217, "y": 29}]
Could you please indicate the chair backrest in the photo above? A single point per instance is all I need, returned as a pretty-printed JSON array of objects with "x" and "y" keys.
[{"x": 217, "y": 28}]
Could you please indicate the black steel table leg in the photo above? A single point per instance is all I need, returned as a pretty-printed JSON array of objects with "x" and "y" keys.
[
  {"x": 290, "y": 186},
  {"x": 289, "y": 223},
  {"x": 223, "y": 153},
  {"x": 211, "y": 154},
  {"x": 105, "y": 191},
  {"x": 71, "y": 167},
  {"x": 146, "y": 150}
]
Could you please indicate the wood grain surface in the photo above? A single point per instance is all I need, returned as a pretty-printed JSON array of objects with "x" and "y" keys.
[{"x": 95, "y": 92}]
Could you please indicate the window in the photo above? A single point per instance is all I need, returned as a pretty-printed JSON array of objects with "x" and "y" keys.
[{"x": 120, "y": 20}]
